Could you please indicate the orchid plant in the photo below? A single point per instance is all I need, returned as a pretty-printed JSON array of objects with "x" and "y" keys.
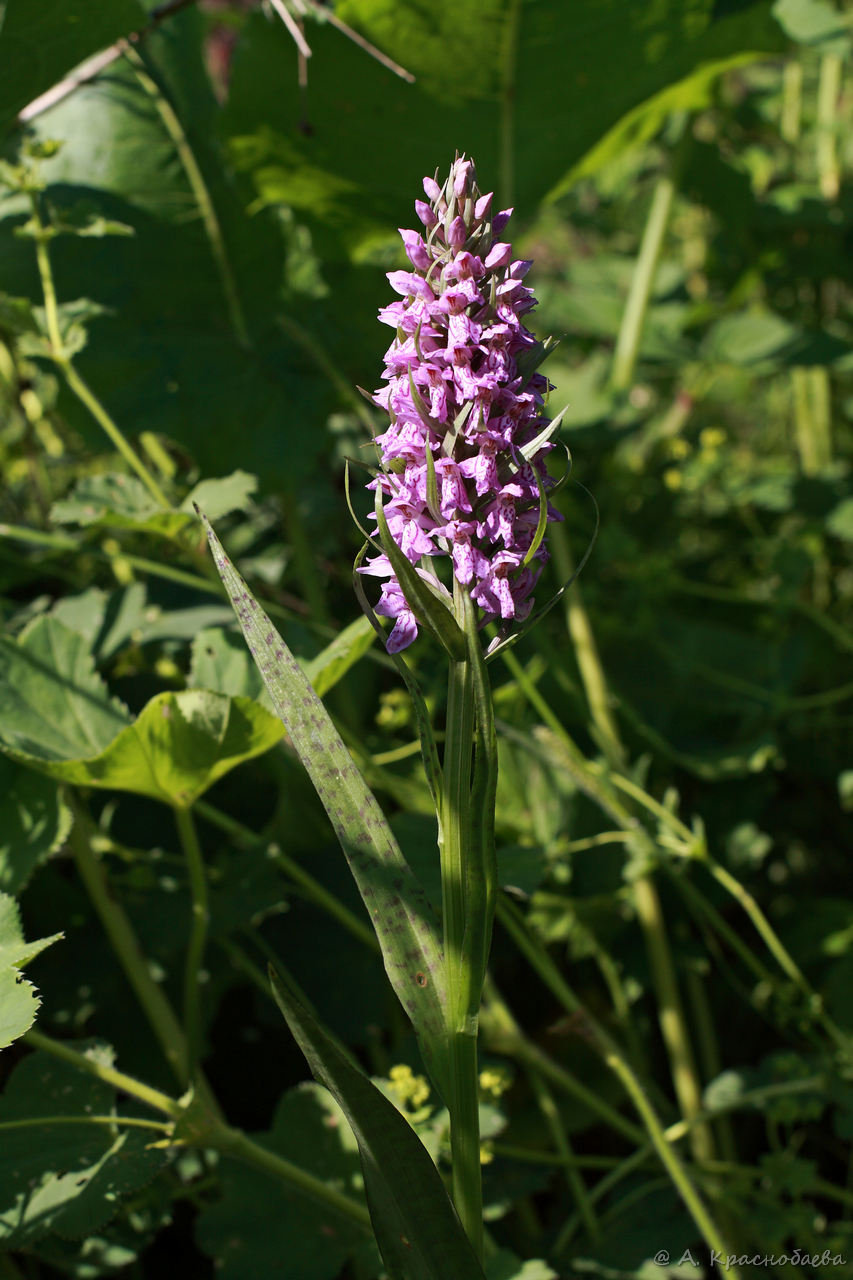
[{"x": 460, "y": 510}]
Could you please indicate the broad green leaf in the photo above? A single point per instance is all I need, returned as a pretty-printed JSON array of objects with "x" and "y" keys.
[
  {"x": 752, "y": 337},
  {"x": 221, "y": 662},
  {"x": 415, "y": 1223},
  {"x": 814, "y": 22},
  {"x": 67, "y": 1178},
  {"x": 117, "y": 501},
  {"x": 399, "y": 909},
  {"x": 53, "y": 704},
  {"x": 173, "y": 362},
  {"x": 40, "y": 43},
  {"x": 33, "y": 823},
  {"x": 219, "y": 497},
  {"x": 498, "y": 60},
  {"x": 253, "y": 1229},
  {"x": 177, "y": 748},
  {"x": 19, "y": 1001}
]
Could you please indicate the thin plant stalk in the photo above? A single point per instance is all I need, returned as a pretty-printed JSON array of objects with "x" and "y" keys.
[
  {"x": 312, "y": 888},
  {"x": 119, "y": 930},
  {"x": 642, "y": 283},
  {"x": 455, "y": 847},
  {"x": 828, "y": 94},
  {"x": 792, "y": 100},
  {"x": 63, "y": 361},
  {"x": 577, "y": 1187},
  {"x": 210, "y": 1132},
  {"x": 615, "y": 1060},
  {"x": 201, "y": 194},
  {"x": 812, "y": 417},
  {"x": 198, "y": 933}
]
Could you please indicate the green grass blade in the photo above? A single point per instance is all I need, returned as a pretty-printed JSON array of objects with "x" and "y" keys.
[
  {"x": 415, "y": 1224},
  {"x": 401, "y": 914}
]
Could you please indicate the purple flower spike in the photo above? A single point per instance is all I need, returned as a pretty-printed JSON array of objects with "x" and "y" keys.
[{"x": 453, "y": 387}]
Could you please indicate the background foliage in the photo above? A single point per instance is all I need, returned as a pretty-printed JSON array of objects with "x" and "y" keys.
[{"x": 680, "y": 173}]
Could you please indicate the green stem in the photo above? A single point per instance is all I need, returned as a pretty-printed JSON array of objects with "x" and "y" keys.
[
  {"x": 455, "y": 851},
  {"x": 214, "y": 1134},
  {"x": 671, "y": 1017},
  {"x": 812, "y": 417},
  {"x": 200, "y": 192},
  {"x": 233, "y": 1143},
  {"x": 792, "y": 100},
  {"x": 132, "y": 1122},
  {"x": 198, "y": 934},
  {"x": 631, "y": 329},
  {"x": 122, "y": 938},
  {"x": 586, "y": 650},
  {"x": 577, "y": 1186},
  {"x": 505, "y": 1036},
  {"x": 63, "y": 361},
  {"x": 776, "y": 948},
  {"x": 125, "y": 1084},
  {"x": 828, "y": 93},
  {"x": 512, "y": 920},
  {"x": 312, "y": 888}
]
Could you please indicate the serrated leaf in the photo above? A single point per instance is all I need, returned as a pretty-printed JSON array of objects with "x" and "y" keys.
[
  {"x": 179, "y": 746},
  {"x": 33, "y": 823},
  {"x": 415, "y": 1223},
  {"x": 67, "y": 1178},
  {"x": 19, "y": 1001},
  {"x": 399, "y": 909},
  {"x": 53, "y": 704}
]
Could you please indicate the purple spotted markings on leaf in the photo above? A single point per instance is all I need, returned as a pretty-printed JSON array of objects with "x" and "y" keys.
[{"x": 459, "y": 383}]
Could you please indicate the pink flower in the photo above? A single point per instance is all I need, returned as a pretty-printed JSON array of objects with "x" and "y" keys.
[{"x": 458, "y": 335}]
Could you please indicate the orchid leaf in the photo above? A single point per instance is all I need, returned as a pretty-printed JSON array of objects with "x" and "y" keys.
[
  {"x": 428, "y": 610},
  {"x": 400, "y": 911},
  {"x": 542, "y": 521},
  {"x": 415, "y": 1223}
]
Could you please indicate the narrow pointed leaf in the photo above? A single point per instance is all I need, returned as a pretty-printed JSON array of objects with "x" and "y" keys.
[
  {"x": 533, "y": 446},
  {"x": 404, "y": 921},
  {"x": 432, "y": 486},
  {"x": 542, "y": 521},
  {"x": 429, "y": 750},
  {"x": 428, "y": 610},
  {"x": 415, "y": 1224}
]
